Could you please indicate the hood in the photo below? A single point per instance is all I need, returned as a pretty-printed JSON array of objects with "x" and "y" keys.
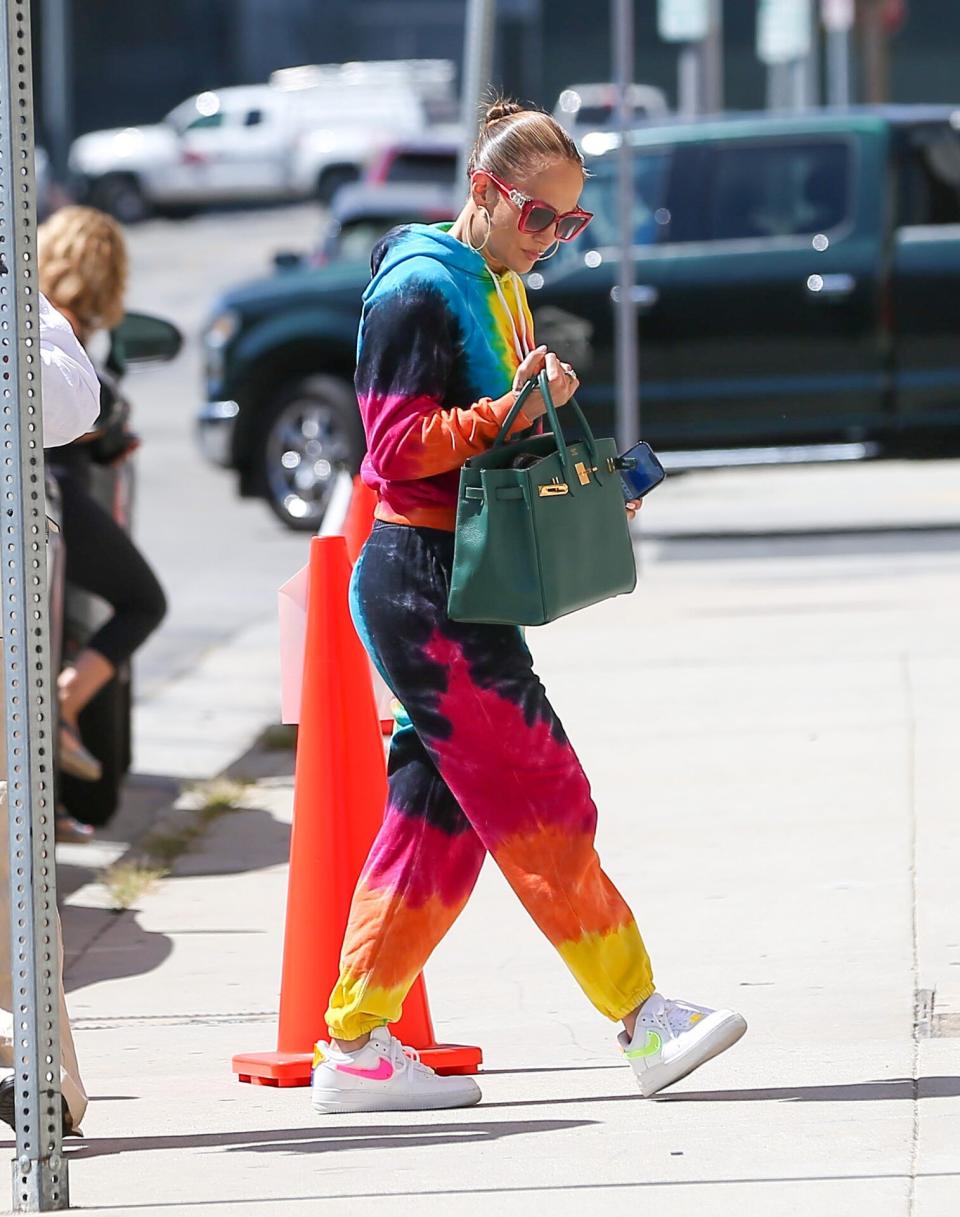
[
  {"x": 123, "y": 147},
  {"x": 339, "y": 284},
  {"x": 423, "y": 241}
]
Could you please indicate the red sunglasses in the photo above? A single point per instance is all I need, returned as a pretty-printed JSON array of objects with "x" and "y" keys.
[{"x": 538, "y": 216}]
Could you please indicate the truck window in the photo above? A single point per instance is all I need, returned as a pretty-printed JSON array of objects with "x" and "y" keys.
[
  {"x": 765, "y": 190},
  {"x": 929, "y": 177},
  {"x": 650, "y": 217},
  {"x": 253, "y": 118},
  {"x": 203, "y": 121}
]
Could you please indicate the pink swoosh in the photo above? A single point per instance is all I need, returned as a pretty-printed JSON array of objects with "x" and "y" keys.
[{"x": 382, "y": 1073}]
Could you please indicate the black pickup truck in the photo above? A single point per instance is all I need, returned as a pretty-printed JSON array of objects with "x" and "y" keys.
[{"x": 798, "y": 283}]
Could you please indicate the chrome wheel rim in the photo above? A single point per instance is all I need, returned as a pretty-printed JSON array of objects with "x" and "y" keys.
[{"x": 306, "y": 448}]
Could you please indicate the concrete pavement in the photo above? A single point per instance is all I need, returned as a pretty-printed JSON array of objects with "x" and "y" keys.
[{"x": 769, "y": 725}]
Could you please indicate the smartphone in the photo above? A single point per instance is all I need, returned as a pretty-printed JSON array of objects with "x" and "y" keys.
[{"x": 640, "y": 471}]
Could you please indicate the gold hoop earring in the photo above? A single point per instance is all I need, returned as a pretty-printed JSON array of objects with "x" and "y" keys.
[
  {"x": 543, "y": 257},
  {"x": 477, "y": 248}
]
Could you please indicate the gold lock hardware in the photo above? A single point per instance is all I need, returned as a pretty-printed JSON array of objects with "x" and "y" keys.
[
  {"x": 553, "y": 488},
  {"x": 582, "y": 473}
]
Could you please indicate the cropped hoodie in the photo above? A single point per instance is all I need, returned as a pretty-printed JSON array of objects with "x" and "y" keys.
[{"x": 440, "y": 341}]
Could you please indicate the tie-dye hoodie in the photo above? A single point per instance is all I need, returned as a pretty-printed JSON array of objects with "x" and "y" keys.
[{"x": 436, "y": 355}]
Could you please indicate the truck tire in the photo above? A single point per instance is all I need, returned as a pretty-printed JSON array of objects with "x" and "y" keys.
[
  {"x": 308, "y": 433},
  {"x": 120, "y": 195},
  {"x": 332, "y": 178}
]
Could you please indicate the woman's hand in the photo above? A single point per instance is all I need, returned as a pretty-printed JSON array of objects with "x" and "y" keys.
[
  {"x": 633, "y": 507},
  {"x": 560, "y": 376}
]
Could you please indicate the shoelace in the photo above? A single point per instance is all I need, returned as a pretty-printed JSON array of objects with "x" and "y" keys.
[{"x": 401, "y": 1056}]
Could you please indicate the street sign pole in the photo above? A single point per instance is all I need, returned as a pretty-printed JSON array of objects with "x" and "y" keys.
[
  {"x": 57, "y": 83},
  {"x": 787, "y": 45},
  {"x": 477, "y": 70},
  {"x": 695, "y": 26},
  {"x": 713, "y": 90},
  {"x": 838, "y": 18},
  {"x": 625, "y": 305},
  {"x": 40, "y": 1181}
]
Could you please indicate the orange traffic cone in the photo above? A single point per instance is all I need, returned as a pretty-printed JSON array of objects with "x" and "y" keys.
[
  {"x": 359, "y": 521},
  {"x": 357, "y": 526},
  {"x": 339, "y": 795}
]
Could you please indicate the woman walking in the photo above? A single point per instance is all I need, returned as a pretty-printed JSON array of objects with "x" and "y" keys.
[
  {"x": 480, "y": 762},
  {"x": 82, "y": 262}
]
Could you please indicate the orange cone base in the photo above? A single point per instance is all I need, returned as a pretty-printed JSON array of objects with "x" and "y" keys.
[
  {"x": 452, "y": 1058},
  {"x": 293, "y": 1068},
  {"x": 273, "y": 1068}
]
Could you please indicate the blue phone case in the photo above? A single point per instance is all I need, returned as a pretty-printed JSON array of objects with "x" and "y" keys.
[{"x": 640, "y": 471}]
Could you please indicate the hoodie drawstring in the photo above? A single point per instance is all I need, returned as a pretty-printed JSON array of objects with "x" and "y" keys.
[{"x": 522, "y": 341}]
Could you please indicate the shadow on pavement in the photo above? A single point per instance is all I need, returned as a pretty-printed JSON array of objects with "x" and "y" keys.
[
  {"x": 115, "y": 946},
  {"x": 145, "y": 797},
  {"x": 330, "y": 1137},
  {"x": 248, "y": 839},
  {"x": 854, "y": 1092},
  {"x": 805, "y": 543},
  {"x": 869, "y": 1092}
]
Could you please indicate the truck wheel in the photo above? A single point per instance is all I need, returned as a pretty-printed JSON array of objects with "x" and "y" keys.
[
  {"x": 311, "y": 431},
  {"x": 121, "y": 195},
  {"x": 332, "y": 178}
]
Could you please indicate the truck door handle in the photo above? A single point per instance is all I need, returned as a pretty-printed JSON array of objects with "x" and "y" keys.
[
  {"x": 643, "y": 295},
  {"x": 833, "y": 286}
]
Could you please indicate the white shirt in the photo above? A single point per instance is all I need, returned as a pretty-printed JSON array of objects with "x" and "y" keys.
[{"x": 71, "y": 390}]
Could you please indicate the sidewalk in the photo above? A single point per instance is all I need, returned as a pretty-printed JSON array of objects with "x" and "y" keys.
[{"x": 770, "y": 728}]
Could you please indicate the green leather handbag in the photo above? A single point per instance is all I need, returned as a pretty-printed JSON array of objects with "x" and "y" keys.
[{"x": 544, "y": 536}]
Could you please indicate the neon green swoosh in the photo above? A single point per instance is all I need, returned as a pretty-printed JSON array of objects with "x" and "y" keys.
[{"x": 654, "y": 1044}]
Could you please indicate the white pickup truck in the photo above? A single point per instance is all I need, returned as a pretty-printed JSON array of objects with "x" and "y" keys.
[{"x": 246, "y": 143}]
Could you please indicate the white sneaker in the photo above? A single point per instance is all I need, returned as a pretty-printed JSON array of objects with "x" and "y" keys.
[
  {"x": 383, "y": 1076},
  {"x": 672, "y": 1038}
]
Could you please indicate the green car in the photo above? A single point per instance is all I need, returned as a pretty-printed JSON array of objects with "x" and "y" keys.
[{"x": 797, "y": 284}]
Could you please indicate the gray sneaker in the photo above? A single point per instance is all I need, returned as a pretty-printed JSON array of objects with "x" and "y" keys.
[{"x": 672, "y": 1038}]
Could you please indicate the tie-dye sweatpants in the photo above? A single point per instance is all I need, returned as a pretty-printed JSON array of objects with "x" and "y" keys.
[{"x": 479, "y": 763}]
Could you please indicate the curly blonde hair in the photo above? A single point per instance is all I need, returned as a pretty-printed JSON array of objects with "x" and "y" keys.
[{"x": 82, "y": 259}]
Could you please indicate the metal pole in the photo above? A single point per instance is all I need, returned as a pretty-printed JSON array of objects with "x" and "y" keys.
[
  {"x": 798, "y": 84},
  {"x": 838, "y": 67},
  {"x": 477, "y": 70},
  {"x": 628, "y": 395},
  {"x": 40, "y": 1181},
  {"x": 713, "y": 90},
  {"x": 57, "y": 84},
  {"x": 689, "y": 79},
  {"x": 812, "y": 61}
]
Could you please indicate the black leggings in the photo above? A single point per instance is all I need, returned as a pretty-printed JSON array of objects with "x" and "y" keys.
[{"x": 102, "y": 559}]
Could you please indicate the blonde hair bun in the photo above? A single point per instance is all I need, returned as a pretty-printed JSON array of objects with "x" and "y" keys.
[
  {"x": 515, "y": 139},
  {"x": 499, "y": 109}
]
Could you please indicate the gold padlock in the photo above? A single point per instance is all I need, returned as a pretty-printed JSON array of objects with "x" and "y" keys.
[{"x": 582, "y": 473}]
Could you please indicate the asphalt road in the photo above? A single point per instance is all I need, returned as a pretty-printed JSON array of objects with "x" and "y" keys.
[{"x": 222, "y": 558}]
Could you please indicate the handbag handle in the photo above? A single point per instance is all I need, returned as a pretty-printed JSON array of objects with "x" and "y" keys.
[{"x": 542, "y": 382}]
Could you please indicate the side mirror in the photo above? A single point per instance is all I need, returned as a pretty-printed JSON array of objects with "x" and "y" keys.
[
  {"x": 287, "y": 259},
  {"x": 140, "y": 338}
]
